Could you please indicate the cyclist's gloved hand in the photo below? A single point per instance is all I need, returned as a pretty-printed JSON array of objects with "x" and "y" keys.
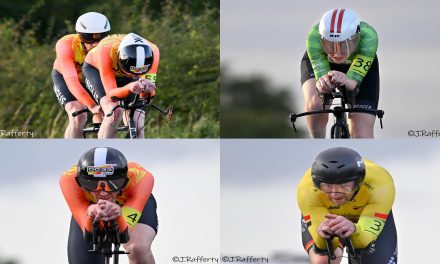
[
  {"x": 95, "y": 212},
  {"x": 324, "y": 229},
  {"x": 135, "y": 87},
  {"x": 148, "y": 85},
  {"x": 111, "y": 210},
  {"x": 340, "y": 226},
  {"x": 324, "y": 84},
  {"x": 340, "y": 79},
  {"x": 337, "y": 78}
]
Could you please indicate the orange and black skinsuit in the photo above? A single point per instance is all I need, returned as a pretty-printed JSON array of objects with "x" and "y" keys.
[
  {"x": 102, "y": 74},
  {"x": 369, "y": 210},
  {"x": 137, "y": 205},
  {"x": 67, "y": 71}
]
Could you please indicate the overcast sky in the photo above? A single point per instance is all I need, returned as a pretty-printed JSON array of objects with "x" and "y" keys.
[
  {"x": 268, "y": 38},
  {"x": 259, "y": 211},
  {"x": 35, "y": 217}
]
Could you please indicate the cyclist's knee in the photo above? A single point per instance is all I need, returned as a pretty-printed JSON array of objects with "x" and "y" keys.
[
  {"x": 139, "y": 251},
  {"x": 362, "y": 125},
  {"x": 313, "y": 103},
  {"x": 108, "y": 105},
  {"x": 74, "y": 106}
]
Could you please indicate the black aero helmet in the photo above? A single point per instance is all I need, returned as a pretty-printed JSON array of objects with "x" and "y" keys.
[
  {"x": 338, "y": 165},
  {"x": 102, "y": 164},
  {"x": 135, "y": 56}
]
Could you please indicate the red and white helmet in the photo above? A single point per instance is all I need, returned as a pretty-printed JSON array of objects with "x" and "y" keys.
[{"x": 339, "y": 24}]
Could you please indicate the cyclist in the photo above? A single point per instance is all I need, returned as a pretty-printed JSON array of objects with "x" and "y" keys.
[
  {"x": 119, "y": 67},
  {"x": 103, "y": 186},
  {"x": 344, "y": 195},
  {"x": 67, "y": 76},
  {"x": 341, "y": 51}
]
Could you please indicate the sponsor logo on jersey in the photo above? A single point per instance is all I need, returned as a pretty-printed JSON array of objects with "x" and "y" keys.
[
  {"x": 305, "y": 224},
  {"x": 100, "y": 171},
  {"x": 357, "y": 207},
  {"x": 371, "y": 188}
]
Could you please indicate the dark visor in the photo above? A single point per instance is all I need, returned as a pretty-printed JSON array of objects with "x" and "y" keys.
[
  {"x": 92, "y": 185},
  {"x": 92, "y": 37}
]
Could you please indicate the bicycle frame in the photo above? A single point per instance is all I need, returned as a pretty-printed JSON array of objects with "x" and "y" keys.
[
  {"x": 137, "y": 104},
  {"x": 354, "y": 256},
  {"x": 103, "y": 239},
  {"x": 339, "y": 128}
]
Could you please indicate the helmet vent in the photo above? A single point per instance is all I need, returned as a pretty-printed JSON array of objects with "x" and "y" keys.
[
  {"x": 341, "y": 166},
  {"x": 324, "y": 165}
]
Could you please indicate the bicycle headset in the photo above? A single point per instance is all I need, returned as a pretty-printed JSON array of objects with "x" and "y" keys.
[
  {"x": 92, "y": 27},
  {"x": 102, "y": 164},
  {"x": 337, "y": 166}
]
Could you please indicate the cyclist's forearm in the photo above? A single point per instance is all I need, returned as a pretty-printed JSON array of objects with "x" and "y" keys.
[
  {"x": 119, "y": 93},
  {"x": 362, "y": 238},
  {"x": 350, "y": 84},
  {"x": 78, "y": 91}
]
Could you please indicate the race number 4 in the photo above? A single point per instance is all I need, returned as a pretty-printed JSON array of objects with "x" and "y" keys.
[{"x": 131, "y": 216}]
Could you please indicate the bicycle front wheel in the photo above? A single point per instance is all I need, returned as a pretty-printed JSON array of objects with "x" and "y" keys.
[
  {"x": 354, "y": 259},
  {"x": 339, "y": 131}
]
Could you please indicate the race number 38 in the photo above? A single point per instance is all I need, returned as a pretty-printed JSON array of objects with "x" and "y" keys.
[{"x": 361, "y": 64}]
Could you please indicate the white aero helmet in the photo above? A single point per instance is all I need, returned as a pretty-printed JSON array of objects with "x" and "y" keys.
[
  {"x": 339, "y": 24},
  {"x": 135, "y": 55},
  {"x": 92, "y": 27},
  {"x": 340, "y": 31}
]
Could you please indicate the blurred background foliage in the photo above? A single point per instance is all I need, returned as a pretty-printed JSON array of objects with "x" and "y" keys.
[
  {"x": 253, "y": 107},
  {"x": 187, "y": 33}
]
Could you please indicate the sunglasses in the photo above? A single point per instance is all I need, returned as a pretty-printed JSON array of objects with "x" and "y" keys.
[
  {"x": 90, "y": 38},
  {"x": 106, "y": 185}
]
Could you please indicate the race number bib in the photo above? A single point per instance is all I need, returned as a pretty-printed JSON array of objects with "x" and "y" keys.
[
  {"x": 371, "y": 224},
  {"x": 131, "y": 216},
  {"x": 361, "y": 64}
]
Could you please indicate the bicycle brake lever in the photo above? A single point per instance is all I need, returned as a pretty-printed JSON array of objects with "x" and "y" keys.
[
  {"x": 293, "y": 119},
  {"x": 113, "y": 110},
  {"x": 380, "y": 114}
]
